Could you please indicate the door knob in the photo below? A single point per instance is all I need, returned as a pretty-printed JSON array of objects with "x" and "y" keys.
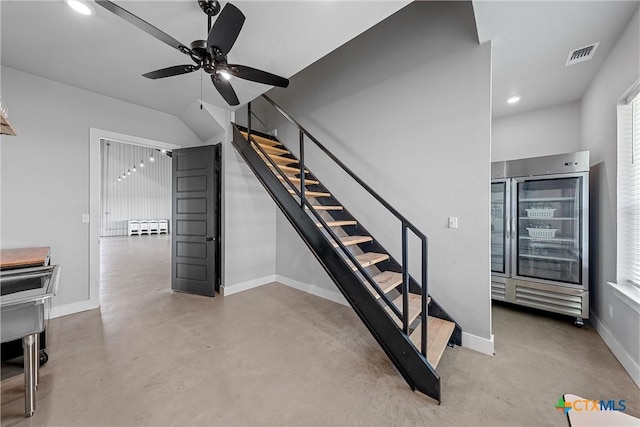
[{"x": 209, "y": 239}]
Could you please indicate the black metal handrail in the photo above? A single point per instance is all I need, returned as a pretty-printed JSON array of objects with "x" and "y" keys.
[
  {"x": 336, "y": 239},
  {"x": 406, "y": 225}
]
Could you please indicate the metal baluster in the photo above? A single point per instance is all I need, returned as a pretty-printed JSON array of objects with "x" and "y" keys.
[
  {"x": 249, "y": 122},
  {"x": 405, "y": 281},
  {"x": 425, "y": 296},
  {"x": 302, "y": 187}
]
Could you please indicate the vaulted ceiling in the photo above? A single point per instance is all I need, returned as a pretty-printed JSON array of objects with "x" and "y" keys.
[
  {"x": 107, "y": 55},
  {"x": 104, "y": 54}
]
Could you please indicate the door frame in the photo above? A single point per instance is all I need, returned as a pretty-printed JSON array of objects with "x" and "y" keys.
[
  {"x": 584, "y": 228},
  {"x": 95, "y": 199}
]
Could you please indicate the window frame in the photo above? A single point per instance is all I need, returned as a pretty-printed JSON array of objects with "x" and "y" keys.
[{"x": 628, "y": 188}]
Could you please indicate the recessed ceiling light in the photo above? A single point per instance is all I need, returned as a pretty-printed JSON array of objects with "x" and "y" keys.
[
  {"x": 80, "y": 6},
  {"x": 513, "y": 99}
]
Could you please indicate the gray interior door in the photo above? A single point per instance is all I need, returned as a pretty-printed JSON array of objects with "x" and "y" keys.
[{"x": 195, "y": 246}]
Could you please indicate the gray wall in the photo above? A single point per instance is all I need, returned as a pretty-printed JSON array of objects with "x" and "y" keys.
[
  {"x": 406, "y": 105},
  {"x": 249, "y": 222},
  {"x": 542, "y": 132},
  {"x": 620, "y": 70},
  {"x": 249, "y": 225},
  {"x": 45, "y": 169}
]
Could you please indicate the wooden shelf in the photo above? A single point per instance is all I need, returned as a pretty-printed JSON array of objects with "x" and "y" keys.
[
  {"x": 24, "y": 257},
  {"x": 5, "y": 126}
]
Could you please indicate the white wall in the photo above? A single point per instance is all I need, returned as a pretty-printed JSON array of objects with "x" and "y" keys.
[
  {"x": 45, "y": 169},
  {"x": 388, "y": 104},
  {"x": 542, "y": 132},
  {"x": 599, "y": 106}
]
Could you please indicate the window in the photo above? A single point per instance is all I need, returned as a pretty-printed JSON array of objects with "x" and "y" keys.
[{"x": 629, "y": 191}]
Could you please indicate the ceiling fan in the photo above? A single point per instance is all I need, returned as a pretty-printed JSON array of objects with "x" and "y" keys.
[{"x": 210, "y": 55}]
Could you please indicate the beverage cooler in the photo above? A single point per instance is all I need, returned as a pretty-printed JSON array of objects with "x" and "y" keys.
[{"x": 540, "y": 235}]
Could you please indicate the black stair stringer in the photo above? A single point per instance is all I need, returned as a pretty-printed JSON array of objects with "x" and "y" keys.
[
  {"x": 435, "y": 310},
  {"x": 411, "y": 364}
]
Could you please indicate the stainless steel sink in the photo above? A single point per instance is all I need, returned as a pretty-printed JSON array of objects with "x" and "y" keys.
[{"x": 23, "y": 293}]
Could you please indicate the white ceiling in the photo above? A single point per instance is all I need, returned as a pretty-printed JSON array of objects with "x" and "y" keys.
[
  {"x": 531, "y": 41},
  {"x": 107, "y": 55}
]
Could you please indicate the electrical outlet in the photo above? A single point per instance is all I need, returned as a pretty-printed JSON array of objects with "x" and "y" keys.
[
  {"x": 610, "y": 310},
  {"x": 453, "y": 222},
  {"x": 85, "y": 218}
]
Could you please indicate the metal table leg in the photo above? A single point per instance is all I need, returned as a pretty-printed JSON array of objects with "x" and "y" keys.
[
  {"x": 30, "y": 345},
  {"x": 36, "y": 364}
]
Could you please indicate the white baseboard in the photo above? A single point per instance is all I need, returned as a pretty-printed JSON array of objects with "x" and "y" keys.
[
  {"x": 245, "y": 286},
  {"x": 334, "y": 296},
  {"x": 479, "y": 344},
  {"x": 76, "y": 307},
  {"x": 472, "y": 342},
  {"x": 625, "y": 359}
]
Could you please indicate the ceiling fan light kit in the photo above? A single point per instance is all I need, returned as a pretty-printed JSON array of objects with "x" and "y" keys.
[{"x": 210, "y": 55}]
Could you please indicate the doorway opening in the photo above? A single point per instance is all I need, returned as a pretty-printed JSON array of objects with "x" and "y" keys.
[{"x": 121, "y": 197}]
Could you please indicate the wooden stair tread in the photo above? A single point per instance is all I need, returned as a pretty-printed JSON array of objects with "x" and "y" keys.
[
  {"x": 337, "y": 223},
  {"x": 368, "y": 259},
  {"x": 386, "y": 280},
  {"x": 325, "y": 208},
  {"x": 296, "y": 179},
  {"x": 283, "y": 168},
  {"x": 270, "y": 149},
  {"x": 283, "y": 160},
  {"x": 311, "y": 193},
  {"x": 353, "y": 240},
  {"x": 438, "y": 334},
  {"x": 261, "y": 139},
  {"x": 415, "y": 307}
]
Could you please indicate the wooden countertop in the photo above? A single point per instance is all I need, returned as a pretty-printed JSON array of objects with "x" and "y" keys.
[{"x": 24, "y": 257}]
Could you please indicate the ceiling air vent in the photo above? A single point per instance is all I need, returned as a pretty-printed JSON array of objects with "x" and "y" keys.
[{"x": 582, "y": 54}]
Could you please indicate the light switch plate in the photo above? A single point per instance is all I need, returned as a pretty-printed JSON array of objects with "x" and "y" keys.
[{"x": 453, "y": 222}]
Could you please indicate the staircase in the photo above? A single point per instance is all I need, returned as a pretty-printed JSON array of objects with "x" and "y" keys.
[{"x": 411, "y": 328}]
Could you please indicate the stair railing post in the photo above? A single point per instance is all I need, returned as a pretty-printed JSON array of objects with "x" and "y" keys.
[
  {"x": 302, "y": 187},
  {"x": 425, "y": 296},
  {"x": 405, "y": 281},
  {"x": 249, "y": 122}
]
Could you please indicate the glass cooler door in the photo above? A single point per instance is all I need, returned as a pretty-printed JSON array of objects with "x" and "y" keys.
[
  {"x": 499, "y": 221},
  {"x": 549, "y": 229}
]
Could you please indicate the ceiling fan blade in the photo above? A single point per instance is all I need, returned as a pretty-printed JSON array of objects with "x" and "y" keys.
[
  {"x": 255, "y": 75},
  {"x": 144, "y": 25},
  {"x": 225, "y": 30},
  {"x": 176, "y": 70},
  {"x": 225, "y": 89}
]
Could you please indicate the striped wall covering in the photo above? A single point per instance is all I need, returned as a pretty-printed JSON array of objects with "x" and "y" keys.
[{"x": 145, "y": 194}]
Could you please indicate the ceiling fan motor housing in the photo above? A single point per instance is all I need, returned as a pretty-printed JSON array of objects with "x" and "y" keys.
[{"x": 199, "y": 47}]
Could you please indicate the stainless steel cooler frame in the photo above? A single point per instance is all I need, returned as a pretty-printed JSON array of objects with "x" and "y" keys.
[{"x": 558, "y": 297}]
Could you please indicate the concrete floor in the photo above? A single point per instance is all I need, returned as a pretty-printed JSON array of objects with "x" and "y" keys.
[{"x": 278, "y": 356}]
